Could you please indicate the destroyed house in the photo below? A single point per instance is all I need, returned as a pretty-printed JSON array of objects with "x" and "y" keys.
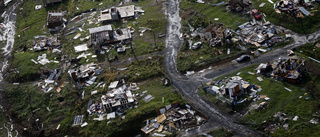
[
  {"x": 264, "y": 68},
  {"x": 104, "y": 35},
  {"x": 50, "y": 2},
  {"x": 85, "y": 74},
  {"x": 233, "y": 88},
  {"x": 117, "y": 98},
  {"x": 213, "y": 31},
  {"x": 43, "y": 43},
  {"x": 291, "y": 69},
  {"x": 54, "y": 19},
  {"x": 175, "y": 117},
  {"x": 116, "y": 13},
  {"x": 215, "y": 34}
]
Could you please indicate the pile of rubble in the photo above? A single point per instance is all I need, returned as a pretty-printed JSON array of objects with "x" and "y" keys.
[
  {"x": 172, "y": 118},
  {"x": 289, "y": 69},
  {"x": 295, "y": 7},
  {"x": 259, "y": 33},
  {"x": 50, "y": 82},
  {"x": 232, "y": 88},
  {"x": 216, "y": 34},
  {"x": 46, "y": 43},
  {"x": 118, "y": 97},
  {"x": 115, "y": 101},
  {"x": 85, "y": 74}
]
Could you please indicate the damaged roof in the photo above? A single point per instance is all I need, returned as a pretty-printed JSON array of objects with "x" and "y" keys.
[{"x": 100, "y": 29}]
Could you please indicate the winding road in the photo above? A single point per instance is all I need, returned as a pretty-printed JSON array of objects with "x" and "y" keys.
[{"x": 187, "y": 85}]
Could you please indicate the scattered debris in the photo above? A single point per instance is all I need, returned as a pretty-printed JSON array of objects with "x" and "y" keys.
[
  {"x": 148, "y": 98},
  {"x": 77, "y": 120},
  {"x": 290, "y": 69},
  {"x": 173, "y": 117},
  {"x": 314, "y": 121},
  {"x": 46, "y": 43},
  {"x": 287, "y": 89},
  {"x": 38, "y": 7},
  {"x": 295, "y": 118}
]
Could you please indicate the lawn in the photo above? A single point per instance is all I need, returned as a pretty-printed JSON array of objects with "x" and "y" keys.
[
  {"x": 309, "y": 49},
  {"x": 29, "y": 103},
  {"x": 230, "y": 19},
  {"x": 189, "y": 59}
]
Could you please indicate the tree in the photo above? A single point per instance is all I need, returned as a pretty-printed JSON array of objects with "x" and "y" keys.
[{"x": 154, "y": 24}]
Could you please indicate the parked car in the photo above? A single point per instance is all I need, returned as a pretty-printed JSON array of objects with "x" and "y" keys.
[
  {"x": 196, "y": 45},
  {"x": 256, "y": 14},
  {"x": 243, "y": 58}
]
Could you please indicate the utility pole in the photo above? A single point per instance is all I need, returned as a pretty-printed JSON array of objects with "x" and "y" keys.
[
  {"x": 131, "y": 40},
  {"x": 133, "y": 51},
  {"x": 155, "y": 41}
]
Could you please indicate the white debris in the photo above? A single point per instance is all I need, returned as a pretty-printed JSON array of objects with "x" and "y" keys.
[
  {"x": 113, "y": 84},
  {"x": 35, "y": 62},
  {"x": 43, "y": 59},
  {"x": 111, "y": 115},
  {"x": 189, "y": 73},
  {"x": 259, "y": 78},
  {"x": 158, "y": 135},
  {"x": 94, "y": 92},
  {"x": 84, "y": 124},
  {"x": 81, "y": 48},
  {"x": 84, "y": 55},
  {"x": 58, "y": 127},
  {"x": 56, "y": 51},
  {"x": 77, "y": 36},
  {"x": 200, "y": 1},
  {"x": 148, "y": 98},
  {"x": 48, "y": 109},
  {"x": 38, "y": 7},
  {"x": 287, "y": 89},
  {"x": 295, "y": 118},
  {"x": 267, "y": 99},
  {"x": 262, "y": 4},
  {"x": 314, "y": 121}
]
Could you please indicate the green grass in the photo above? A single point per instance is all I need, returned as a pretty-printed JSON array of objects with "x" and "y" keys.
[
  {"x": 194, "y": 59},
  {"x": 24, "y": 99},
  {"x": 28, "y": 70},
  {"x": 146, "y": 69},
  {"x": 230, "y": 19},
  {"x": 309, "y": 50}
]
